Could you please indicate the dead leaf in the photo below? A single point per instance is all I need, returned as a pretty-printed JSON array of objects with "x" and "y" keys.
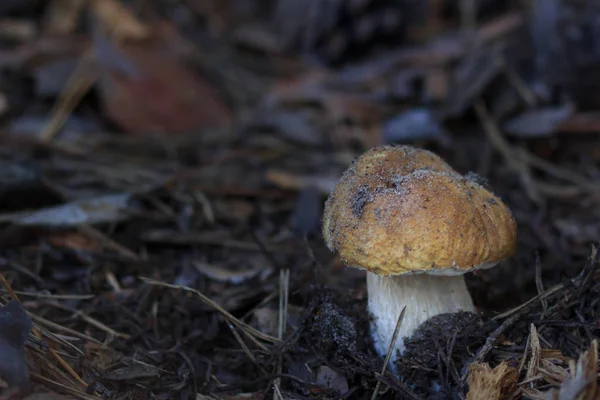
[
  {"x": 103, "y": 209},
  {"x": 486, "y": 383},
  {"x": 15, "y": 326},
  {"x": 146, "y": 87}
]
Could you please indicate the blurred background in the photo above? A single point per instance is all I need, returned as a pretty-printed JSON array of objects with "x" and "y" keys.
[{"x": 194, "y": 142}]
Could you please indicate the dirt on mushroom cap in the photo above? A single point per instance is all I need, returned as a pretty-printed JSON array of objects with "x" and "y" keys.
[{"x": 400, "y": 209}]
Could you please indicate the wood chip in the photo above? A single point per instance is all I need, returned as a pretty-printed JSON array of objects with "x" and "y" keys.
[{"x": 486, "y": 383}]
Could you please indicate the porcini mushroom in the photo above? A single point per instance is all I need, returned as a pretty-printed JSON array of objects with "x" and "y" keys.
[{"x": 416, "y": 225}]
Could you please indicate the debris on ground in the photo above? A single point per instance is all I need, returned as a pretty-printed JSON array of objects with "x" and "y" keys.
[{"x": 164, "y": 167}]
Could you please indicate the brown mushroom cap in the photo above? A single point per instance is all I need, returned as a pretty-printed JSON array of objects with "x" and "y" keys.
[{"x": 400, "y": 209}]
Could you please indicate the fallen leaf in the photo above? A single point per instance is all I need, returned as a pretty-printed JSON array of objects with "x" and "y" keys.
[
  {"x": 486, "y": 383},
  {"x": 146, "y": 87},
  {"x": 15, "y": 326},
  {"x": 103, "y": 209}
]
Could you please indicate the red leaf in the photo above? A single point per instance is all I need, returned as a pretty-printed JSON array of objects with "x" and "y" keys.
[{"x": 147, "y": 88}]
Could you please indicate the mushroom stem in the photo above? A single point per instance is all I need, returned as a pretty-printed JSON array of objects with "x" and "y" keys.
[{"x": 423, "y": 295}]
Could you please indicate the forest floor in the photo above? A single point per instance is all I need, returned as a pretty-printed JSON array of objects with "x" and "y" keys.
[{"x": 164, "y": 167}]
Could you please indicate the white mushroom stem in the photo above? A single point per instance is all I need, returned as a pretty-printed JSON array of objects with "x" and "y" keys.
[{"x": 423, "y": 295}]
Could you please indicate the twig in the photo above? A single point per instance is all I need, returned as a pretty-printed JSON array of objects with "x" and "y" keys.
[
  {"x": 247, "y": 329},
  {"x": 108, "y": 242},
  {"x": 52, "y": 296},
  {"x": 38, "y": 334},
  {"x": 74, "y": 392},
  {"x": 538, "y": 282},
  {"x": 91, "y": 320},
  {"x": 513, "y": 315},
  {"x": 489, "y": 343},
  {"x": 493, "y": 133},
  {"x": 389, "y": 351},
  {"x": 557, "y": 172},
  {"x": 43, "y": 321},
  {"x": 284, "y": 287},
  {"x": 584, "y": 276},
  {"x": 77, "y": 86},
  {"x": 245, "y": 347},
  {"x": 518, "y": 83}
]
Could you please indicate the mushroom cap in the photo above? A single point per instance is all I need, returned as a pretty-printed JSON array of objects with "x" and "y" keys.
[{"x": 402, "y": 210}]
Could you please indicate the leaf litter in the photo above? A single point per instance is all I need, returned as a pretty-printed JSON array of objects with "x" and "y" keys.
[{"x": 169, "y": 246}]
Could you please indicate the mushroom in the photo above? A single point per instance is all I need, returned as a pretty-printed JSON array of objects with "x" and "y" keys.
[{"x": 416, "y": 226}]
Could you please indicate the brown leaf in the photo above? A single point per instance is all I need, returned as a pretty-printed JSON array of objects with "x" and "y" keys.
[
  {"x": 486, "y": 383},
  {"x": 147, "y": 88}
]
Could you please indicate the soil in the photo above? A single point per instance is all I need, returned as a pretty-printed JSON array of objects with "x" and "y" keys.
[{"x": 160, "y": 212}]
